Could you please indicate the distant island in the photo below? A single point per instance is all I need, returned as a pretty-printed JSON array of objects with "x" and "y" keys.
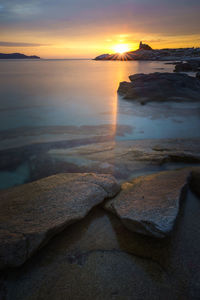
[
  {"x": 145, "y": 52},
  {"x": 17, "y": 56}
]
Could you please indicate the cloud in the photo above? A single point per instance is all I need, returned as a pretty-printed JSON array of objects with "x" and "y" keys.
[
  {"x": 15, "y": 44},
  {"x": 96, "y": 24}
]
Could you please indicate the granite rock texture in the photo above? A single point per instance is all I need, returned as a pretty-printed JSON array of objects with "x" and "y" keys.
[
  {"x": 33, "y": 213},
  {"x": 150, "y": 204}
]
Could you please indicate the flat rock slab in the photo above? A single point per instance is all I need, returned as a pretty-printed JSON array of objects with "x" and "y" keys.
[
  {"x": 128, "y": 159},
  {"x": 150, "y": 204},
  {"x": 33, "y": 213},
  {"x": 160, "y": 87}
]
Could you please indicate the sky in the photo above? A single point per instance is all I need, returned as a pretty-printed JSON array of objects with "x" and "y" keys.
[{"x": 87, "y": 28}]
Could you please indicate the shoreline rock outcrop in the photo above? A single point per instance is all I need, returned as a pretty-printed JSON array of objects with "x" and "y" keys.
[
  {"x": 195, "y": 181},
  {"x": 160, "y": 87},
  {"x": 198, "y": 75},
  {"x": 145, "y": 52},
  {"x": 150, "y": 204},
  {"x": 189, "y": 66},
  {"x": 33, "y": 213}
]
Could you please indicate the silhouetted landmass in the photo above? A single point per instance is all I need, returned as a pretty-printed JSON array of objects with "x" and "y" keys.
[
  {"x": 17, "y": 56},
  {"x": 145, "y": 52}
]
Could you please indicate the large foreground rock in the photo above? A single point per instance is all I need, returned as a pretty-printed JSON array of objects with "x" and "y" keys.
[
  {"x": 31, "y": 214},
  {"x": 109, "y": 262},
  {"x": 150, "y": 204},
  {"x": 161, "y": 87}
]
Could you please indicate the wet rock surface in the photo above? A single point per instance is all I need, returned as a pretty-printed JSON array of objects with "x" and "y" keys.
[
  {"x": 150, "y": 204},
  {"x": 31, "y": 214},
  {"x": 128, "y": 159},
  {"x": 160, "y": 87},
  {"x": 25, "y": 158},
  {"x": 123, "y": 159},
  {"x": 98, "y": 258}
]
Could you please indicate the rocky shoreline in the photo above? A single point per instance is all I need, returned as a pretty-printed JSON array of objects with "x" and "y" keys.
[
  {"x": 161, "y": 87},
  {"x": 138, "y": 229},
  {"x": 89, "y": 226},
  {"x": 192, "y": 65}
]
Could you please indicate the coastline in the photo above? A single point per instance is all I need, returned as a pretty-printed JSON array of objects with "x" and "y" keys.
[{"x": 103, "y": 245}]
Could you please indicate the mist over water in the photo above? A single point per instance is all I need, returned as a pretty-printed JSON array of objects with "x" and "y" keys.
[
  {"x": 53, "y": 100},
  {"x": 63, "y": 92},
  {"x": 81, "y": 92}
]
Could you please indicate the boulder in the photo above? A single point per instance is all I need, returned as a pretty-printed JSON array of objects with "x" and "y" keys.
[
  {"x": 33, "y": 213},
  {"x": 189, "y": 66},
  {"x": 150, "y": 204},
  {"x": 195, "y": 181},
  {"x": 160, "y": 87},
  {"x": 183, "y": 67},
  {"x": 198, "y": 75}
]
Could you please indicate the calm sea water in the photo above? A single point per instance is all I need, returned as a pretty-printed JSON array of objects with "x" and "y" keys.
[
  {"x": 83, "y": 92},
  {"x": 53, "y": 95}
]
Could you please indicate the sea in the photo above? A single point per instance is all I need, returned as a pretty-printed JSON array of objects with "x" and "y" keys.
[{"x": 72, "y": 102}]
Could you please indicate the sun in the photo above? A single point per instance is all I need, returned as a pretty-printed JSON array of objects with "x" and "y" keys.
[{"x": 121, "y": 48}]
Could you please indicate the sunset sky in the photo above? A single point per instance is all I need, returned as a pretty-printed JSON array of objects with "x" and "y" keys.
[{"x": 86, "y": 28}]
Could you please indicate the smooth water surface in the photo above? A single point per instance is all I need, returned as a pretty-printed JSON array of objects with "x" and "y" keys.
[
  {"x": 84, "y": 92},
  {"x": 53, "y": 100}
]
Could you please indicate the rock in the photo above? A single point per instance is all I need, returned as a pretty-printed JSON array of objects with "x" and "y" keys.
[
  {"x": 93, "y": 253},
  {"x": 183, "y": 67},
  {"x": 195, "y": 181},
  {"x": 160, "y": 87},
  {"x": 189, "y": 66},
  {"x": 33, "y": 213},
  {"x": 150, "y": 204},
  {"x": 126, "y": 159},
  {"x": 198, "y": 75},
  {"x": 144, "y": 46},
  {"x": 96, "y": 252}
]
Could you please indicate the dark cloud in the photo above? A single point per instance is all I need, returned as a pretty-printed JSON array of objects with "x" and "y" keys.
[{"x": 80, "y": 17}]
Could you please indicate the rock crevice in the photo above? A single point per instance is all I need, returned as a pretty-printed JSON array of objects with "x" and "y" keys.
[{"x": 33, "y": 213}]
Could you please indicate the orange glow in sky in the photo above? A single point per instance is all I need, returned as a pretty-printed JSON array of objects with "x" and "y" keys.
[
  {"x": 121, "y": 48},
  {"x": 69, "y": 29}
]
